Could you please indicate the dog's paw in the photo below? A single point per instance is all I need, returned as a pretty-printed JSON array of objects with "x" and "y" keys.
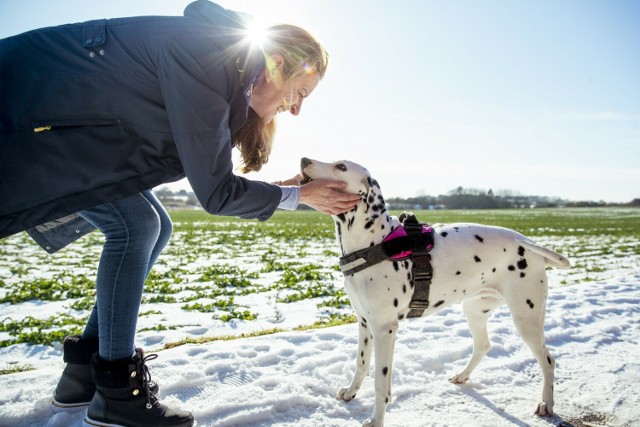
[
  {"x": 346, "y": 394},
  {"x": 542, "y": 410},
  {"x": 459, "y": 379}
]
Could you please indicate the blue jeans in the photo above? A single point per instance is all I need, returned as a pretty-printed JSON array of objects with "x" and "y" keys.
[{"x": 136, "y": 229}]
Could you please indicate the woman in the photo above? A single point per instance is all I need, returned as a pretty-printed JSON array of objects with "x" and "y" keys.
[{"x": 93, "y": 115}]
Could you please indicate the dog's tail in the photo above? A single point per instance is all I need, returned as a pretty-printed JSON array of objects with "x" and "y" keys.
[{"x": 553, "y": 258}]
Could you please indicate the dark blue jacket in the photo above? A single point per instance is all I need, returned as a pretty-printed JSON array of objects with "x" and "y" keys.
[{"x": 100, "y": 110}]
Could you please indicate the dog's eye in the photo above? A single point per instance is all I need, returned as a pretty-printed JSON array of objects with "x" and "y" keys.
[{"x": 342, "y": 167}]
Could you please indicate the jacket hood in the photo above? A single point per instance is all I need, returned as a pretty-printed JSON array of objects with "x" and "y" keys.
[{"x": 216, "y": 15}]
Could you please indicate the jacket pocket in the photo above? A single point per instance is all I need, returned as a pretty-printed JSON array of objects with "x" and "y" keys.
[{"x": 68, "y": 124}]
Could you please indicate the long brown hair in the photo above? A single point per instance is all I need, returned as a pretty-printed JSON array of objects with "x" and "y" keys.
[{"x": 302, "y": 54}]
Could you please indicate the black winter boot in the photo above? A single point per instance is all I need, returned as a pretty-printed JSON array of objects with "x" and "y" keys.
[
  {"x": 124, "y": 398},
  {"x": 76, "y": 387}
]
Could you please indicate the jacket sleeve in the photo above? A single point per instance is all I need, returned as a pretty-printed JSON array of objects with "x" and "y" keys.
[{"x": 193, "y": 80}]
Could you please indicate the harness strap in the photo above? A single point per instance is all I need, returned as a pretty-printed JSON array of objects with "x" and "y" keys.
[
  {"x": 422, "y": 271},
  {"x": 364, "y": 258}
]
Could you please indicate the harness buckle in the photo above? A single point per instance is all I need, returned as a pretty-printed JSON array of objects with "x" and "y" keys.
[{"x": 419, "y": 304}]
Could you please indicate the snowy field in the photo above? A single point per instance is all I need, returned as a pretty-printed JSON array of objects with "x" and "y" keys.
[{"x": 290, "y": 378}]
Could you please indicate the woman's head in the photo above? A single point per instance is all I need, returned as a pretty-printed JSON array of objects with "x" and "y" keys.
[{"x": 294, "y": 64}]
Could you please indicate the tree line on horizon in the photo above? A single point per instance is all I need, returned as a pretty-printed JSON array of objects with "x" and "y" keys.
[{"x": 458, "y": 198}]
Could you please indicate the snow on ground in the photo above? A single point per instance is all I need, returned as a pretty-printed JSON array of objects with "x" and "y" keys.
[{"x": 290, "y": 379}]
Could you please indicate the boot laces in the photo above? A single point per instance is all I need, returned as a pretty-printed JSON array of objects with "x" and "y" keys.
[{"x": 147, "y": 378}]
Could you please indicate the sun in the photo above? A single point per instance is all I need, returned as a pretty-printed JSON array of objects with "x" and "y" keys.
[{"x": 256, "y": 34}]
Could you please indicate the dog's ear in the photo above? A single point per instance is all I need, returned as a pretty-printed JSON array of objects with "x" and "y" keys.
[{"x": 366, "y": 187}]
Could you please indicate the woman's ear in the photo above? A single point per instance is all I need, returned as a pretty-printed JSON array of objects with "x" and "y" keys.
[{"x": 275, "y": 65}]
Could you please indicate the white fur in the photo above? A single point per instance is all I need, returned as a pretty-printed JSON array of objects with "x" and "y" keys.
[{"x": 481, "y": 266}]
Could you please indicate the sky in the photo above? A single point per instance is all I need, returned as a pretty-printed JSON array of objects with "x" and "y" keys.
[{"x": 535, "y": 97}]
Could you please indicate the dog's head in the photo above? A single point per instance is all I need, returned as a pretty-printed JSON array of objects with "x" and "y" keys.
[{"x": 357, "y": 177}]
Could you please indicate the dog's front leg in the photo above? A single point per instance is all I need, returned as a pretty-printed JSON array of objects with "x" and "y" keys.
[
  {"x": 363, "y": 360},
  {"x": 384, "y": 339}
]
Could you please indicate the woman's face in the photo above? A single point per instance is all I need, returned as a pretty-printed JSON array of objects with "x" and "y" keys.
[{"x": 273, "y": 94}]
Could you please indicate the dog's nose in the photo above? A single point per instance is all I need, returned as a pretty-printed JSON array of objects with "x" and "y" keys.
[{"x": 304, "y": 162}]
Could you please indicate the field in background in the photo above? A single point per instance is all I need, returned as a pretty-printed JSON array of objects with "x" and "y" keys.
[{"x": 227, "y": 277}]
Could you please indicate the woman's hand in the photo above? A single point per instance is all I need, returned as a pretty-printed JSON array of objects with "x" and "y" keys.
[{"x": 325, "y": 196}]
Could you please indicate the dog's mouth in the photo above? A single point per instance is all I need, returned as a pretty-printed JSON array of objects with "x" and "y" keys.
[{"x": 305, "y": 178}]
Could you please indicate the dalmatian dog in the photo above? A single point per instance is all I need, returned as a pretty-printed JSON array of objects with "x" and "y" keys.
[{"x": 481, "y": 266}]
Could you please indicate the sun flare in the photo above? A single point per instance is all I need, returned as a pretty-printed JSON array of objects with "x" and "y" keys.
[{"x": 256, "y": 34}]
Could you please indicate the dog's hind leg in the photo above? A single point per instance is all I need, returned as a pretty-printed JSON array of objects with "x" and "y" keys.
[
  {"x": 477, "y": 311},
  {"x": 528, "y": 310},
  {"x": 363, "y": 359}
]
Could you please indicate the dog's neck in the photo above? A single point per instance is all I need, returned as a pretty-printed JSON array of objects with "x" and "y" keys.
[{"x": 367, "y": 224}]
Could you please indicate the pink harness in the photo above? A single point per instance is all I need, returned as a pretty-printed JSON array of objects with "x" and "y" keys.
[
  {"x": 400, "y": 245},
  {"x": 401, "y": 232}
]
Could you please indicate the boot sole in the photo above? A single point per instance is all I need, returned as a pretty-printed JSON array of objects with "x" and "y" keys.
[
  {"x": 88, "y": 422},
  {"x": 58, "y": 407}
]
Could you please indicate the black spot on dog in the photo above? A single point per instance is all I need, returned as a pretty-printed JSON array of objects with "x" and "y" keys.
[
  {"x": 458, "y": 273},
  {"x": 395, "y": 302},
  {"x": 390, "y": 331},
  {"x": 350, "y": 223},
  {"x": 406, "y": 264},
  {"x": 522, "y": 264},
  {"x": 385, "y": 371},
  {"x": 504, "y": 249},
  {"x": 520, "y": 251},
  {"x": 404, "y": 288},
  {"x": 409, "y": 276},
  {"x": 400, "y": 316},
  {"x": 530, "y": 303},
  {"x": 549, "y": 360},
  {"x": 369, "y": 223},
  {"x": 362, "y": 354},
  {"x": 493, "y": 270},
  {"x": 479, "y": 239},
  {"x": 396, "y": 266},
  {"x": 341, "y": 217},
  {"x": 366, "y": 341},
  {"x": 522, "y": 274},
  {"x": 444, "y": 234},
  {"x": 364, "y": 325},
  {"x": 511, "y": 268},
  {"x": 364, "y": 320},
  {"x": 382, "y": 227},
  {"x": 477, "y": 259},
  {"x": 456, "y": 228},
  {"x": 486, "y": 311},
  {"x": 439, "y": 303},
  {"x": 386, "y": 400}
]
